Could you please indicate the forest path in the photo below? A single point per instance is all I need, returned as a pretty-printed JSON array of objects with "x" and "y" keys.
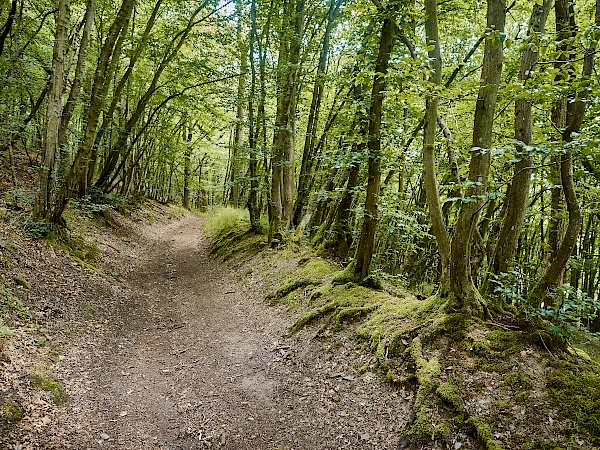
[{"x": 193, "y": 359}]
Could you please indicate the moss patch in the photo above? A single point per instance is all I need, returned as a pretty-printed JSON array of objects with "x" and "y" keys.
[
  {"x": 576, "y": 395},
  {"x": 344, "y": 302},
  {"x": 229, "y": 243},
  {"x": 88, "y": 311},
  {"x": 448, "y": 393},
  {"x": 517, "y": 381},
  {"x": 484, "y": 432},
  {"x": 11, "y": 412},
  {"x": 78, "y": 247},
  {"x": 500, "y": 340},
  {"x": 11, "y": 308},
  {"x": 422, "y": 429},
  {"x": 21, "y": 281},
  {"x": 311, "y": 273},
  {"x": 51, "y": 385},
  {"x": 503, "y": 405}
]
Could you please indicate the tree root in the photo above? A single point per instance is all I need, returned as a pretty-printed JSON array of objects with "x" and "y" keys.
[
  {"x": 353, "y": 312},
  {"x": 312, "y": 315},
  {"x": 431, "y": 394},
  {"x": 288, "y": 288},
  {"x": 344, "y": 313}
]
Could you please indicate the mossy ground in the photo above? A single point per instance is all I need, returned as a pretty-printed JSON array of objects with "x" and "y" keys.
[
  {"x": 489, "y": 385},
  {"x": 575, "y": 392},
  {"x": 310, "y": 273},
  {"x": 78, "y": 247},
  {"x": 11, "y": 412},
  {"x": 235, "y": 242},
  {"x": 48, "y": 383}
]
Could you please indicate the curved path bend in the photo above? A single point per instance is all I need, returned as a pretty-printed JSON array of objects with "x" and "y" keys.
[{"x": 193, "y": 358}]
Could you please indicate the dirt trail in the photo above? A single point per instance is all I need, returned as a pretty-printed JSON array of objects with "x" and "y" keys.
[{"x": 192, "y": 359}]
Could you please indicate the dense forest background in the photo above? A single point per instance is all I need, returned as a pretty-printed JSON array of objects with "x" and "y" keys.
[{"x": 449, "y": 146}]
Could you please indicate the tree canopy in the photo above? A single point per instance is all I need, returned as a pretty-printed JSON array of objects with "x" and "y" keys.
[{"x": 435, "y": 143}]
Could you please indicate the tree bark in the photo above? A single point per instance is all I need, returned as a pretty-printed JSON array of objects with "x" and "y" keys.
[
  {"x": 518, "y": 194},
  {"x": 253, "y": 208},
  {"x": 430, "y": 126},
  {"x": 238, "y": 137},
  {"x": 15, "y": 136},
  {"x": 50, "y": 158},
  {"x": 187, "y": 164},
  {"x": 102, "y": 78},
  {"x": 308, "y": 155},
  {"x": 116, "y": 98},
  {"x": 5, "y": 30},
  {"x": 364, "y": 251},
  {"x": 121, "y": 142},
  {"x": 575, "y": 113},
  {"x": 282, "y": 183},
  {"x": 90, "y": 12},
  {"x": 466, "y": 296}
]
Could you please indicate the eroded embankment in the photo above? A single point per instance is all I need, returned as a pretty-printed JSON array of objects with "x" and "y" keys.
[{"x": 493, "y": 384}]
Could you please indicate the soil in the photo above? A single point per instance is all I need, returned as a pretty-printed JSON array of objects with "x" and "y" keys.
[{"x": 186, "y": 354}]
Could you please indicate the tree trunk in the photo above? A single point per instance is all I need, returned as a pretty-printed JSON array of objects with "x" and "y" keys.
[
  {"x": 364, "y": 251},
  {"x": 282, "y": 183},
  {"x": 121, "y": 142},
  {"x": 430, "y": 126},
  {"x": 518, "y": 194},
  {"x": 340, "y": 236},
  {"x": 238, "y": 137},
  {"x": 80, "y": 169},
  {"x": 253, "y": 208},
  {"x": 261, "y": 119},
  {"x": 15, "y": 136},
  {"x": 90, "y": 12},
  {"x": 575, "y": 113},
  {"x": 466, "y": 296},
  {"x": 308, "y": 155},
  {"x": 187, "y": 163},
  {"x": 108, "y": 117},
  {"x": 342, "y": 233},
  {"x": 50, "y": 160},
  {"x": 5, "y": 30},
  {"x": 102, "y": 78}
]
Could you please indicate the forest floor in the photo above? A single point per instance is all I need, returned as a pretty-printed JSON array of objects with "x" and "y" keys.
[{"x": 169, "y": 348}]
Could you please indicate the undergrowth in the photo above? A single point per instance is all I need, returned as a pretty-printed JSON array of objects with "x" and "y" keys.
[{"x": 223, "y": 219}]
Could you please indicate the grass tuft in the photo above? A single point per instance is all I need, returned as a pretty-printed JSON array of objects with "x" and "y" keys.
[{"x": 223, "y": 219}]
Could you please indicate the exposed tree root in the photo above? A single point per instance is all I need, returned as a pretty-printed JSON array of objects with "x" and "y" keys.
[
  {"x": 288, "y": 288},
  {"x": 443, "y": 354},
  {"x": 354, "y": 312},
  {"x": 312, "y": 315}
]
